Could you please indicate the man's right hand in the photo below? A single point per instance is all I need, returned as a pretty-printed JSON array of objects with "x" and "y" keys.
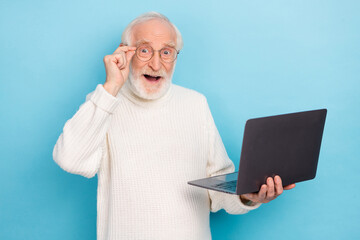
[{"x": 117, "y": 68}]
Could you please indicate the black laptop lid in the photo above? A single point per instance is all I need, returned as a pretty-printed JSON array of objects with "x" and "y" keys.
[{"x": 287, "y": 145}]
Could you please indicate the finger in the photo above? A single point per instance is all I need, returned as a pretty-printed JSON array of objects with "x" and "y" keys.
[
  {"x": 278, "y": 185},
  {"x": 119, "y": 59},
  {"x": 288, "y": 187},
  {"x": 262, "y": 193},
  {"x": 124, "y": 49},
  {"x": 123, "y": 61},
  {"x": 271, "y": 190},
  {"x": 129, "y": 56}
]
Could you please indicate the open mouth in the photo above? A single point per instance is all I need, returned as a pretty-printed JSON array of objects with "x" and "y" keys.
[{"x": 152, "y": 78}]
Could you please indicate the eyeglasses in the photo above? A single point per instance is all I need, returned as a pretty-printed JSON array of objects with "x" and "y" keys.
[{"x": 146, "y": 52}]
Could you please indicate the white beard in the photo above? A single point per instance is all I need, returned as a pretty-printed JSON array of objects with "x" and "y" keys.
[{"x": 136, "y": 84}]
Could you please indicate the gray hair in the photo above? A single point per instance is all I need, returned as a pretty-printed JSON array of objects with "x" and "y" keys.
[{"x": 126, "y": 36}]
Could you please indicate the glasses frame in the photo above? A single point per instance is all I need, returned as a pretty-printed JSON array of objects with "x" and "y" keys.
[{"x": 153, "y": 53}]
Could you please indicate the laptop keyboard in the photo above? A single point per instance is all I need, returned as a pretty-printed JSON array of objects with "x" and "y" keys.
[{"x": 227, "y": 185}]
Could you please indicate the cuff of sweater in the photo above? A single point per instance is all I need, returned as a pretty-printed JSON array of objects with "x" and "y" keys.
[
  {"x": 231, "y": 203},
  {"x": 248, "y": 207},
  {"x": 104, "y": 100}
]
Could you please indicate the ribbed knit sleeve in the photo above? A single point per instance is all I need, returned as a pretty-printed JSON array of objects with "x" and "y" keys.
[
  {"x": 219, "y": 163},
  {"x": 82, "y": 144}
]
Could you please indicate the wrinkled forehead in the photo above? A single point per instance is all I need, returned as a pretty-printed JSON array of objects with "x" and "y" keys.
[{"x": 156, "y": 32}]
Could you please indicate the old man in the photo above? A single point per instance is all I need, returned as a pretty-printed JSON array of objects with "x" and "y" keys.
[{"x": 146, "y": 138}]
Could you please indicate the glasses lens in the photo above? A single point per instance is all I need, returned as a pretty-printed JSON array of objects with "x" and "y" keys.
[
  {"x": 144, "y": 52},
  {"x": 168, "y": 54}
]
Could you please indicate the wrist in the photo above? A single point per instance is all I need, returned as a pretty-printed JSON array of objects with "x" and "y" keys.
[
  {"x": 246, "y": 201},
  {"x": 111, "y": 88}
]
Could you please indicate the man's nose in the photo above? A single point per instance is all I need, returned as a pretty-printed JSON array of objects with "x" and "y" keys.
[{"x": 155, "y": 62}]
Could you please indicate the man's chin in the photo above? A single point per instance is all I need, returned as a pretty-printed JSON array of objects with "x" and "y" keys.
[{"x": 150, "y": 89}]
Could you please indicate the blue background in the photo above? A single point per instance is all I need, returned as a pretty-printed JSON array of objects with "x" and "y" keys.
[{"x": 250, "y": 58}]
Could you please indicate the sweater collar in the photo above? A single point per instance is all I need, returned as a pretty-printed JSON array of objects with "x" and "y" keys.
[{"x": 130, "y": 95}]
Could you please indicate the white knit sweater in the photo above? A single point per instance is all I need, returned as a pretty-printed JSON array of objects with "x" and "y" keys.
[{"x": 144, "y": 153}]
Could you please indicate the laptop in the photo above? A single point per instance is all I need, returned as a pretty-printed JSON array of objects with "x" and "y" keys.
[{"x": 287, "y": 145}]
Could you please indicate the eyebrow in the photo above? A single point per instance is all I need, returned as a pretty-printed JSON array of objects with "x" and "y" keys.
[
  {"x": 142, "y": 41},
  {"x": 145, "y": 41}
]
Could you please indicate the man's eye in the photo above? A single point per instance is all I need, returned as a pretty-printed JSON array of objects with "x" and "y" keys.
[
  {"x": 167, "y": 52},
  {"x": 144, "y": 50}
]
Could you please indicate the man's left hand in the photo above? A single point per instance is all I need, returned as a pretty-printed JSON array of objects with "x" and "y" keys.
[{"x": 268, "y": 192}]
